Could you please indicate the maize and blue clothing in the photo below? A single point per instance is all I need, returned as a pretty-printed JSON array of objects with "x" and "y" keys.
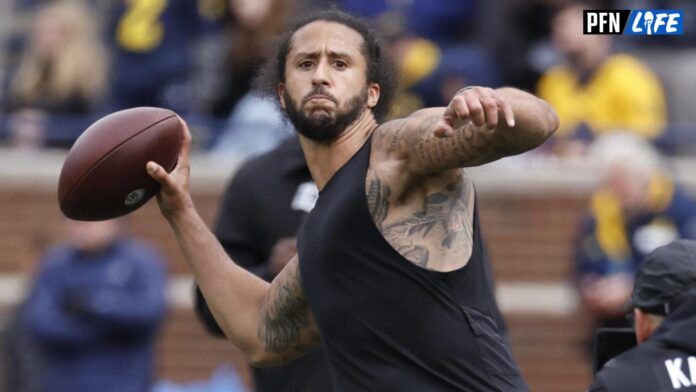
[
  {"x": 95, "y": 316},
  {"x": 611, "y": 242},
  {"x": 153, "y": 49},
  {"x": 622, "y": 94}
]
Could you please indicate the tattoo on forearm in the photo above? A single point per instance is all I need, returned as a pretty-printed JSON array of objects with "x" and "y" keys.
[
  {"x": 284, "y": 316},
  {"x": 454, "y": 151}
]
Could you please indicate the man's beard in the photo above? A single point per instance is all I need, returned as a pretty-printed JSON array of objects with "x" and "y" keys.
[{"x": 324, "y": 127}]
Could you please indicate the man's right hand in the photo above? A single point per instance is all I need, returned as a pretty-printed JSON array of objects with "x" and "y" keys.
[{"x": 174, "y": 197}]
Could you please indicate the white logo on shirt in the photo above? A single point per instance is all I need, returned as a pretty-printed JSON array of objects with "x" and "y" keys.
[
  {"x": 305, "y": 197},
  {"x": 677, "y": 376}
]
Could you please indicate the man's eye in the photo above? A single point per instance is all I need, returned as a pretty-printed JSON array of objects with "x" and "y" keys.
[
  {"x": 306, "y": 64},
  {"x": 340, "y": 64}
]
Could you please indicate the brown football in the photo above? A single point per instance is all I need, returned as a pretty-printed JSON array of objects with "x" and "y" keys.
[{"x": 104, "y": 177}]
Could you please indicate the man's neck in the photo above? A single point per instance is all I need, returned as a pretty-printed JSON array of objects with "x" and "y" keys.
[{"x": 324, "y": 159}]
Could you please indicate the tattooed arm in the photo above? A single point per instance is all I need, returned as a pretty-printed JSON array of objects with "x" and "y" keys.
[
  {"x": 271, "y": 324},
  {"x": 479, "y": 125},
  {"x": 286, "y": 324}
]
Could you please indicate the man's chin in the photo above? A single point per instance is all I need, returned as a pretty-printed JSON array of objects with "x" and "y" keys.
[
  {"x": 320, "y": 115},
  {"x": 320, "y": 128},
  {"x": 320, "y": 134}
]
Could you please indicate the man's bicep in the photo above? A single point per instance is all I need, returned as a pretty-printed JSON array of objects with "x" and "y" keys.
[{"x": 286, "y": 324}]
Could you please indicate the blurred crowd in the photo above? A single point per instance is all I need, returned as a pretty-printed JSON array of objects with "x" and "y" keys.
[
  {"x": 623, "y": 102},
  {"x": 91, "y": 317},
  {"x": 64, "y": 63}
]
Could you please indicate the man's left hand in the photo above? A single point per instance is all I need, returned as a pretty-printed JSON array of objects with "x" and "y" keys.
[{"x": 480, "y": 105}]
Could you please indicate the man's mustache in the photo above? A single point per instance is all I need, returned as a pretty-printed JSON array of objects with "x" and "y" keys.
[{"x": 321, "y": 92}]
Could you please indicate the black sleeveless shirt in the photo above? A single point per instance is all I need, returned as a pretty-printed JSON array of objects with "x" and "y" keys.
[{"x": 387, "y": 324}]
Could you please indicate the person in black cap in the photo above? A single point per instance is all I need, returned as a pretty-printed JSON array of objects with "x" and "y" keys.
[{"x": 663, "y": 303}]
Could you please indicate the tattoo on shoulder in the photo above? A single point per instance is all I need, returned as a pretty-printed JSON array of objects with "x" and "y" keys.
[
  {"x": 284, "y": 316},
  {"x": 444, "y": 224}
]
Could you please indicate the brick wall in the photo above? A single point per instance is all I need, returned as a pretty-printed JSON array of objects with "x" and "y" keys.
[{"x": 530, "y": 240}]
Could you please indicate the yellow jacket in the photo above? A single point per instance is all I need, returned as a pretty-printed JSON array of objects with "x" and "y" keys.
[{"x": 623, "y": 94}]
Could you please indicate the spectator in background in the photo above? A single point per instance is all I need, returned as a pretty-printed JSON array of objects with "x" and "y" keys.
[
  {"x": 430, "y": 74},
  {"x": 94, "y": 310},
  {"x": 253, "y": 24},
  {"x": 521, "y": 42},
  {"x": 444, "y": 22},
  {"x": 63, "y": 71},
  {"x": 596, "y": 91},
  {"x": 432, "y": 45},
  {"x": 153, "y": 50},
  {"x": 255, "y": 126},
  {"x": 637, "y": 208}
]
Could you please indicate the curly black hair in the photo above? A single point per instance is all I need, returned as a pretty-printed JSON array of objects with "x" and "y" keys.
[{"x": 380, "y": 69}]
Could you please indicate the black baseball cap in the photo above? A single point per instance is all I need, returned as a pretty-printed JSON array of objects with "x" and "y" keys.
[{"x": 664, "y": 274}]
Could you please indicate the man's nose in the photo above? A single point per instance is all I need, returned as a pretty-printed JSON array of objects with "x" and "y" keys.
[{"x": 321, "y": 74}]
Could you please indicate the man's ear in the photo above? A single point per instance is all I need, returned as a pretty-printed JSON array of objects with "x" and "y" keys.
[
  {"x": 280, "y": 90},
  {"x": 645, "y": 325},
  {"x": 373, "y": 91}
]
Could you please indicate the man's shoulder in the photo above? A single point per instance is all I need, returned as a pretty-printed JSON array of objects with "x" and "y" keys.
[
  {"x": 623, "y": 62},
  {"x": 633, "y": 370},
  {"x": 619, "y": 373},
  {"x": 286, "y": 155}
]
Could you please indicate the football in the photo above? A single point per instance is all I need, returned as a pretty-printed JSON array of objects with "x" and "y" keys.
[{"x": 104, "y": 177}]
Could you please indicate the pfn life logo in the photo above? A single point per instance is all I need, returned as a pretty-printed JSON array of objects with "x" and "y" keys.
[{"x": 633, "y": 22}]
